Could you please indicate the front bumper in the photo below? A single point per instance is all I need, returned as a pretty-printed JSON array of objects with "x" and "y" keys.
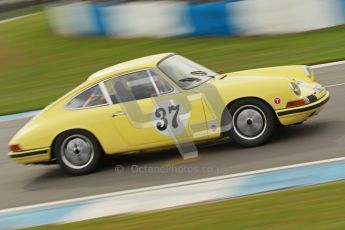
[
  {"x": 31, "y": 156},
  {"x": 301, "y": 113}
]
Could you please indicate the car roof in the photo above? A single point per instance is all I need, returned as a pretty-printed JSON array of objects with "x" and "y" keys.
[{"x": 139, "y": 63}]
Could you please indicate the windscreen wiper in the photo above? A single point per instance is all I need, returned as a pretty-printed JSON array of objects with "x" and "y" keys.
[
  {"x": 225, "y": 75},
  {"x": 190, "y": 79}
]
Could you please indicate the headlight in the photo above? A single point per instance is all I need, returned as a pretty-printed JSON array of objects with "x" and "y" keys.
[
  {"x": 295, "y": 88},
  {"x": 308, "y": 71}
]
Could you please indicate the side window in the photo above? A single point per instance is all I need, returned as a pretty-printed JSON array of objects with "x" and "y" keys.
[
  {"x": 162, "y": 86},
  {"x": 136, "y": 86},
  {"x": 90, "y": 97}
]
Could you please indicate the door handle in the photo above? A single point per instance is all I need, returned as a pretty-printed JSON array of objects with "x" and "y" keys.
[{"x": 118, "y": 114}]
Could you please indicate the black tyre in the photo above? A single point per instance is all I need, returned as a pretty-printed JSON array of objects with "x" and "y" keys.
[
  {"x": 77, "y": 152},
  {"x": 253, "y": 122}
]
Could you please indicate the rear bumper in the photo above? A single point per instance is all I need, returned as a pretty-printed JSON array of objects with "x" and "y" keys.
[
  {"x": 31, "y": 156},
  {"x": 302, "y": 113}
]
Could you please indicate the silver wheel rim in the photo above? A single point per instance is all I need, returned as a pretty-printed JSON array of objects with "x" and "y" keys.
[
  {"x": 77, "y": 151},
  {"x": 249, "y": 122}
]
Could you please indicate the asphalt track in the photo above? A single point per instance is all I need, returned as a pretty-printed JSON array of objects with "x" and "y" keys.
[{"x": 321, "y": 137}]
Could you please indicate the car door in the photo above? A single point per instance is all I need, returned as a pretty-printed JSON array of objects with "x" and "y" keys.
[{"x": 148, "y": 110}]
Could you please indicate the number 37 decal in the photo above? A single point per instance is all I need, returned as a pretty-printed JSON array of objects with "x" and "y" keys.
[
  {"x": 170, "y": 118},
  {"x": 163, "y": 120}
]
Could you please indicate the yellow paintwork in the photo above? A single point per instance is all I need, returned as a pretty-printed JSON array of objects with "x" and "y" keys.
[{"x": 265, "y": 84}]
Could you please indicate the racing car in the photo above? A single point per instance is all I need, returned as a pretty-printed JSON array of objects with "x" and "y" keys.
[{"x": 165, "y": 100}]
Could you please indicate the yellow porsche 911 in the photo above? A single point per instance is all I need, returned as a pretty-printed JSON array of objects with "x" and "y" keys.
[{"x": 162, "y": 101}]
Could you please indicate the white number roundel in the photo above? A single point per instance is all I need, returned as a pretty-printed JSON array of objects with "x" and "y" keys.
[{"x": 170, "y": 118}]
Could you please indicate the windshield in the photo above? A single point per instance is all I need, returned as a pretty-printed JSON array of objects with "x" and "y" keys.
[{"x": 184, "y": 72}]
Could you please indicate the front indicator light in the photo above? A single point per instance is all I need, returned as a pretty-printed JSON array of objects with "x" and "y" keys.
[
  {"x": 300, "y": 102},
  {"x": 15, "y": 148}
]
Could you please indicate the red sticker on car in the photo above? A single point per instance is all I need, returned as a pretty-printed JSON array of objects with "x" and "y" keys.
[{"x": 277, "y": 100}]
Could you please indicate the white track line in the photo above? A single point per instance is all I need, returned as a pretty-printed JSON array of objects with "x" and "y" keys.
[
  {"x": 335, "y": 85},
  {"x": 170, "y": 185},
  {"x": 16, "y": 18},
  {"x": 328, "y": 64}
]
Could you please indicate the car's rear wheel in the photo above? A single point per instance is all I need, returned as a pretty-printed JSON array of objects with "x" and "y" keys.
[
  {"x": 78, "y": 152},
  {"x": 253, "y": 122}
]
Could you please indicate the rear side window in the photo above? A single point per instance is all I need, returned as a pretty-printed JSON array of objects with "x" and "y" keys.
[{"x": 89, "y": 98}]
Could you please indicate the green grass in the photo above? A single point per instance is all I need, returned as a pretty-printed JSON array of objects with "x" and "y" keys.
[
  {"x": 318, "y": 207},
  {"x": 37, "y": 67}
]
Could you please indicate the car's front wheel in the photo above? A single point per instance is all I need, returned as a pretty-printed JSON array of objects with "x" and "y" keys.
[
  {"x": 253, "y": 122},
  {"x": 77, "y": 152}
]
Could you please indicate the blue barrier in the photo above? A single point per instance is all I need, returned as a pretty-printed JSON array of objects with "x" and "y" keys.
[
  {"x": 210, "y": 19},
  {"x": 224, "y": 18},
  {"x": 99, "y": 20},
  {"x": 342, "y": 7}
]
